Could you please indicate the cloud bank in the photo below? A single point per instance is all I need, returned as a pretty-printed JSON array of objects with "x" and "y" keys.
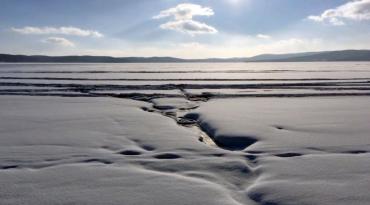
[
  {"x": 357, "y": 10},
  {"x": 183, "y": 15},
  {"x": 59, "y": 41},
  {"x": 73, "y": 31}
]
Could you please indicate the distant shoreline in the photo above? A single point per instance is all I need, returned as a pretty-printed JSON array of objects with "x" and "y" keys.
[
  {"x": 205, "y": 62},
  {"x": 324, "y": 56}
]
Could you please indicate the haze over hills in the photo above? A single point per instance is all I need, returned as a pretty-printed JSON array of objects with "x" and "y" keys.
[{"x": 344, "y": 55}]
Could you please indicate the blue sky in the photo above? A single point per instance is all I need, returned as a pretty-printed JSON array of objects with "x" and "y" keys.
[{"x": 187, "y": 28}]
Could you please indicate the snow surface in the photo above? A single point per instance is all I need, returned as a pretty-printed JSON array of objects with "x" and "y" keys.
[
  {"x": 308, "y": 150},
  {"x": 228, "y": 134},
  {"x": 58, "y": 150}
]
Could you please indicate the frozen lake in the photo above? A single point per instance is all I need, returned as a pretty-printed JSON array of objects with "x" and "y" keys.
[
  {"x": 221, "y": 79},
  {"x": 198, "y": 133}
]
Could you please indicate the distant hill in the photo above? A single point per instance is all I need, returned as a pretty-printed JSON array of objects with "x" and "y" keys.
[
  {"x": 345, "y": 55},
  {"x": 82, "y": 59},
  {"x": 273, "y": 57}
]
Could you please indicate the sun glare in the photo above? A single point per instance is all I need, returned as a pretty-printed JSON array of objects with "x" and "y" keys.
[
  {"x": 237, "y": 3},
  {"x": 234, "y": 1}
]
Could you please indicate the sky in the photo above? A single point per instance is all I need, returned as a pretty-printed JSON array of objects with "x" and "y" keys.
[{"x": 182, "y": 28}]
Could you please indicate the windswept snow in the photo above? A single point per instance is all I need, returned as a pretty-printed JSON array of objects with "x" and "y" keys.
[{"x": 228, "y": 134}]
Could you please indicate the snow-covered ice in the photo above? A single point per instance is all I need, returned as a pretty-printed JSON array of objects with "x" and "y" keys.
[{"x": 287, "y": 133}]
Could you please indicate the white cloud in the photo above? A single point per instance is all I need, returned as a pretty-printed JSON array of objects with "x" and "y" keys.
[
  {"x": 185, "y": 12},
  {"x": 189, "y": 26},
  {"x": 183, "y": 15},
  {"x": 61, "y": 30},
  {"x": 263, "y": 36},
  {"x": 357, "y": 10},
  {"x": 59, "y": 41}
]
